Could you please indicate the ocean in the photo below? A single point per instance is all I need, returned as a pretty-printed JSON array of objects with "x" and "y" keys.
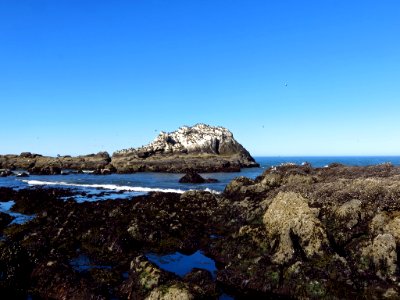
[{"x": 118, "y": 186}]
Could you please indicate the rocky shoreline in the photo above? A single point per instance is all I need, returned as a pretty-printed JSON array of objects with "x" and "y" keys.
[
  {"x": 202, "y": 148},
  {"x": 293, "y": 232}
]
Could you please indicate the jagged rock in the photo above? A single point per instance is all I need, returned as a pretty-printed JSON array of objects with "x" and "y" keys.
[
  {"x": 174, "y": 292},
  {"x": 46, "y": 165},
  {"x": 202, "y": 283},
  {"x": 149, "y": 276},
  {"x": 29, "y": 155},
  {"x": 384, "y": 255},
  {"x": 15, "y": 267},
  {"x": 289, "y": 214},
  {"x": 48, "y": 170},
  {"x": 201, "y": 147},
  {"x": 5, "y": 172},
  {"x": 350, "y": 212},
  {"x": 144, "y": 277},
  {"x": 105, "y": 171},
  {"x": 271, "y": 180},
  {"x": 277, "y": 236},
  {"x": 238, "y": 185},
  {"x": 386, "y": 223},
  {"x": 346, "y": 221},
  {"x": 193, "y": 177},
  {"x": 55, "y": 280},
  {"x": 5, "y": 219}
]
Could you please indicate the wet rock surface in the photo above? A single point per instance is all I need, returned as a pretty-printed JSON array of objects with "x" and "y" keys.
[{"x": 293, "y": 232}]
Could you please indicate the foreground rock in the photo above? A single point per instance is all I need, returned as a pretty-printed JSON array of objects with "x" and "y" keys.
[
  {"x": 293, "y": 232},
  {"x": 202, "y": 148}
]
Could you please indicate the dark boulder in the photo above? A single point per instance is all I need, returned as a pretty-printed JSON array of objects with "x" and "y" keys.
[
  {"x": 15, "y": 269},
  {"x": 211, "y": 180},
  {"x": 5, "y": 219},
  {"x": 48, "y": 170},
  {"x": 192, "y": 177},
  {"x": 5, "y": 173}
]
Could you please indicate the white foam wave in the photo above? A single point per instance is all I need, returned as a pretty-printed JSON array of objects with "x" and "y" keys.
[
  {"x": 105, "y": 186},
  {"x": 212, "y": 191}
]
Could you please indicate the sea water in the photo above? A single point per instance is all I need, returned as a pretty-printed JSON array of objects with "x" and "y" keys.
[{"x": 117, "y": 186}]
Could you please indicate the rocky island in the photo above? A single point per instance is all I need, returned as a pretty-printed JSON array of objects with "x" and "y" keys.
[
  {"x": 293, "y": 232},
  {"x": 202, "y": 148}
]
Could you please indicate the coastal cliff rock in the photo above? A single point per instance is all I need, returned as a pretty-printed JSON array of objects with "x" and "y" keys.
[{"x": 202, "y": 147}]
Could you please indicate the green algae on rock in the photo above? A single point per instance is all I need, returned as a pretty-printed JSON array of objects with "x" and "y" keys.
[{"x": 293, "y": 232}]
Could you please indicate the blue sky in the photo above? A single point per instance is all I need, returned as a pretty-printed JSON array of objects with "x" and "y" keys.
[{"x": 78, "y": 77}]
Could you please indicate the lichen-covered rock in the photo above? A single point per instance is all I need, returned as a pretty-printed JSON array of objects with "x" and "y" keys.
[
  {"x": 143, "y": 277},
  {"x": 149, "y": 276},
  {"x": 201, "y": 283},
  {"x": 350, "y": 212},
  {"x": 55, "y": 280},
  {"x": 384, "y": 255},
  {"x": 174, "y": 292},
  {"x": 346, "y": 221},
  {"x": 271, "y": 179},
  {"x": 289, "y": 215},
  {"x": 280, "y": 235},
  {"x": 387, "y": 223},
  {"x": 377, "y": 256},
  {"x": 238, "y": 185}
]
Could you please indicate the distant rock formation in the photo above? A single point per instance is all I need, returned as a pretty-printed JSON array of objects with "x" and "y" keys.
[
  {"x": 47, "y": 165},
  {"x": 202, "y": 148}
]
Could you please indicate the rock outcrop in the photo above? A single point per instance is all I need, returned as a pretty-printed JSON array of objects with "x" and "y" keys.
[
  {"x": 47, "y": 165},
  {"x": 194, "y": 177},
  {"x": 201, "y": 147},
  {"x": 294, "y": 232},
  {"x": 289, "y": 217}
]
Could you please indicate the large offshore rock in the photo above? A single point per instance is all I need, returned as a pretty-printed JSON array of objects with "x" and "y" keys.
[{"x": 202, "y": 148}]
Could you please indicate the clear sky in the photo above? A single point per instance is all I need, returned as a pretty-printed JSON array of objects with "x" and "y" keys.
[{"x": 287, "y": 77}]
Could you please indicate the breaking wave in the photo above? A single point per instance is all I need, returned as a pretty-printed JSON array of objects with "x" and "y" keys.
[
  {"x": 113, "y": 187},
  {"x": 104, "y": 186}
]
